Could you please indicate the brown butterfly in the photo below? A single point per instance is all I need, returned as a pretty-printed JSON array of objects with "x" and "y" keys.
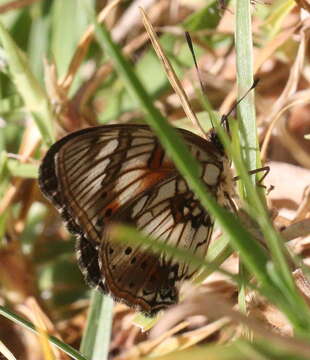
[{"x": 121, "y": 173}]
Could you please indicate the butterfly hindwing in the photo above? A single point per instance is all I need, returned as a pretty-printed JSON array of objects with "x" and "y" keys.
[{"x": 170, "y": 214}]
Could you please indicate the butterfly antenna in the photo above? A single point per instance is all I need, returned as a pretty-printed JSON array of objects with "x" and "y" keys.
[
  {"x": 191, "y": 48},
  {"x": 224, "y": 119},
  {"x": 233, "y": 108}
]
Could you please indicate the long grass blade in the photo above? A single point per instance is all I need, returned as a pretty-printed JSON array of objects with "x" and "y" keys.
[
  {"x": 69, "y": 350},
  {"x": 96, "y": 337},
  {"x": 34, "y": 96}
]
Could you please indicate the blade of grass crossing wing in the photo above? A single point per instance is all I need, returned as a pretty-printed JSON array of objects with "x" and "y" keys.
[
  {"x": 130, "y": 235},
  {"x": 218, "y": 252}
]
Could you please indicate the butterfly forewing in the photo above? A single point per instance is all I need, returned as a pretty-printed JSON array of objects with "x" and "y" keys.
[{"x": 120, "y": 173}]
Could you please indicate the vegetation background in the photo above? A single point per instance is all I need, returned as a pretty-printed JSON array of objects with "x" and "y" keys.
[{"x": 58, "y": 75}]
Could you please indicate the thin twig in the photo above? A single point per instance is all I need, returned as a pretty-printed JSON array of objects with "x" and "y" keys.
[{"x": 174, "y": 81}]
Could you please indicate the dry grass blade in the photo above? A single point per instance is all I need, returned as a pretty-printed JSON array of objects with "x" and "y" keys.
[
  {"x": 83, "y": 47},
  {"x": 99, "y": 76},
  {"x": 304, "y": 206},
  {"x": 190, "y": 338},
  {"x": 13, "y": 5},
  {"x": 6, "y": 352},
  {"x": 42, "y": 331},
  {"x": 302, "y": 283},
  {"x": 261, "y": 57},
  {"x": 30, "y": 143},
  {"x": 284, "y": 102},
  {"x": 89, "y": 88},
  {"x": 131, "y": 18},
  {"x": 146, "y": 347},
  {"x": 44, "y": 327},
  {"x": 213, "y": 307},
  {"x": 300, "y": 98},
  {"x": 174, "y": 81},
  {"x": 297, "y": 229}
]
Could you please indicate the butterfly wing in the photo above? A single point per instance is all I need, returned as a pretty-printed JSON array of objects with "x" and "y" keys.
[
  {"x": 121, "y": 173},
  {"x": 167, "y": 212}
]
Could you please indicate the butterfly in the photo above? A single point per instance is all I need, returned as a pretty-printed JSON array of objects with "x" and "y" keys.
[{"x": 121, "y": 174}]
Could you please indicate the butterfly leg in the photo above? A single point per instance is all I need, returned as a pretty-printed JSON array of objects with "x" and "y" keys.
[{"x": 266, "y": 170}]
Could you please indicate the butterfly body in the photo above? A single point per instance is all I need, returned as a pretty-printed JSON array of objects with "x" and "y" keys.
[{"x": 120, "y": 173}]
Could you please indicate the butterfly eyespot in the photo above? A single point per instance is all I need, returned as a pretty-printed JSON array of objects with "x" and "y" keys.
[
  {"x": 108, "y": 212},
  {"x": 128, "y": 250}
]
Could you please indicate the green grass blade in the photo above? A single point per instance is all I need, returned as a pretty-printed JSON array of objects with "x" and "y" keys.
[
  {"x": 218, "y": 252},
  {"x": 96, "y": 337},
  {"x": 29, "y": 326},
  {"x": 38, "y": 39},
  {"x": 89, "y": 334},
  {"x": 35, "y": 98},
  {"x": 246, "y": 109},
  {"x": 19, "y": 169},
  {"x": 68, "y": 25},
  {"x": 129, "y": 235},
  {"x": 103, "y": 335},
  {"x": 246, "y": 112}
]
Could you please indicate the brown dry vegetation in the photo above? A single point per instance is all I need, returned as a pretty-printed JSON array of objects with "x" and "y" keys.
[{"x": 38, "y": 274}]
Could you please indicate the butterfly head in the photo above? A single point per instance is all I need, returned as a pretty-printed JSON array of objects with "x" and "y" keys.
[{"x": 216, "y": 141}]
